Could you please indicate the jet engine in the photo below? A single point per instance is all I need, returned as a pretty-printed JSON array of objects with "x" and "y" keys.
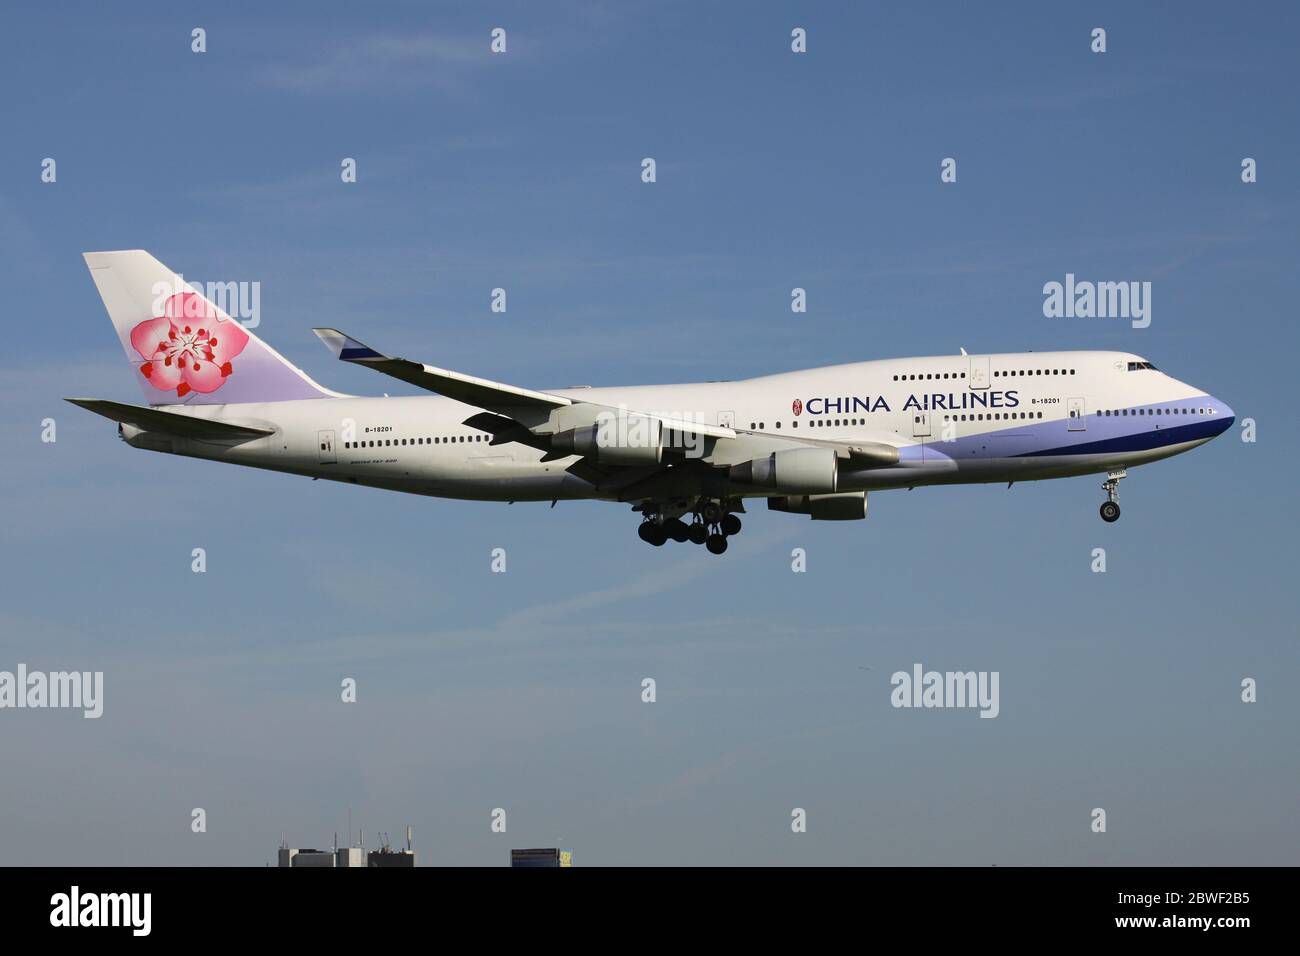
[
  {"x": 846, "y": 506},
  {"x": 618, "y": 440},
  {"x": 808, "y": 470}
]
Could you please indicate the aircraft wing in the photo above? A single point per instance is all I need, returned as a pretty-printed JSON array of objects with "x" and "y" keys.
[
  {"x": 860, "y": 452},
  {"x": 522, "y": 404},
  {"x": 547, "y": 422},
  {"x": 173, "y": 423},
  {"x": 494, "y": 396}
]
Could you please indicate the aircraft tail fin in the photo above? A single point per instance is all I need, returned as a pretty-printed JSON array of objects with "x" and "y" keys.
[{"x": 184, "y": 349}]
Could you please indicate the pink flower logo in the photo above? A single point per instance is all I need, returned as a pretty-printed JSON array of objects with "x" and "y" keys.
[{"x": 188, "y": 347}]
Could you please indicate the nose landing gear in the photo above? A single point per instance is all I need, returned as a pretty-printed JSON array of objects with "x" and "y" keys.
[{"x": 1110, "y": 507}]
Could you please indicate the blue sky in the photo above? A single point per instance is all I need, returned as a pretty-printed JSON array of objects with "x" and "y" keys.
[{"x": 522, "y": 690}]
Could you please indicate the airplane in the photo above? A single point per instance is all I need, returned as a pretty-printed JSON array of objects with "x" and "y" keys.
[{"x": 685, "y": 457}]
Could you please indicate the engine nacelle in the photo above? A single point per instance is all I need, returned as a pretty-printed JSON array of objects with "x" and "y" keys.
[
  {"x": 617, "y": 440},
  {"x": 809, "y": 470},
  {"x": 846, "y": 506}
]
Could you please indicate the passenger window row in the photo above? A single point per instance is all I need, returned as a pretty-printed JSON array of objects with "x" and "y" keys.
[
  {"x": 438, "y": 440},
  {"x": 814, "y": 423},
  {"x": 834, "y": 422},
  {"x": 1154, "y": 411},
  {"x": 998, "y": 373},
  {"x": 992, "y": 417},
  {"x": 1010, "y": 373}
]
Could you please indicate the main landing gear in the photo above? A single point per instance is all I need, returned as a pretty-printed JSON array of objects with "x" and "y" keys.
[
  {"x": 710, "y": 525},
  {"x": 1110, "y": 507}
]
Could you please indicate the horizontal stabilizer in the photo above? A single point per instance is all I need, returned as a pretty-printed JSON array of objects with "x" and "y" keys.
[{"x": 171, "y": 423}]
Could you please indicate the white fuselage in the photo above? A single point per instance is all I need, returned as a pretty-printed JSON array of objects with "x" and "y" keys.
[{"x": 979, "y": 418}]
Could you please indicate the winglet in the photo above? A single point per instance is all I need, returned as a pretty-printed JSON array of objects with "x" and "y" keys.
[
  {"x": 494, "y": 396},
  {"x": 345, "y": 347}
]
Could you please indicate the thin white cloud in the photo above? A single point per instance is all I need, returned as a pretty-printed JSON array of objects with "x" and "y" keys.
[
  {"x": 387, "y": 62},
  {"x": 564, "y": 612}
]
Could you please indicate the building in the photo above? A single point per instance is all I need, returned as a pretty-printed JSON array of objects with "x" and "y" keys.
[
  {"x": 349, "y": 856},
  {"x": 387, "y": 856},
  {"x": 541, "y": 857},
  {"x": 307, "y": 857}
]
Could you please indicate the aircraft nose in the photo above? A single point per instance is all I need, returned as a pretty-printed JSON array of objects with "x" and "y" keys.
[{"x": 1223, "y": 416}]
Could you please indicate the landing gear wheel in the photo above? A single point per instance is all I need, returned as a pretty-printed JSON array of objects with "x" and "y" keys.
[
  {"x": 730, "y": 525},
  {"x": 652, "y": 533},
  {"x": 1110, "y": 507},
  {"x": 677, "y": 529},
  {"x": 699, "y": 533},
  {"x": 716, "y": 543}
]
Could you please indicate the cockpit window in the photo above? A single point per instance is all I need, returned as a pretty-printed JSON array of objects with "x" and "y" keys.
[{"x": 1138, "y": 366}]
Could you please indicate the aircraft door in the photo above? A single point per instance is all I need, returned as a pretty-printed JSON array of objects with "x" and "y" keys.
[
  {"x": 325, "y": 442},
  {"x": 726, "y": 419},
  {"x": 920, "y": 423},
  {"x": 978, "y": 376},
  {"x": 1074, "y": 408}
]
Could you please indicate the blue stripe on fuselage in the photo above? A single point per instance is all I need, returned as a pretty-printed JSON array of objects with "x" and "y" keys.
[
  {"x": 1103, "y": 434},
  {"x": 1140, "y": 441}
]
